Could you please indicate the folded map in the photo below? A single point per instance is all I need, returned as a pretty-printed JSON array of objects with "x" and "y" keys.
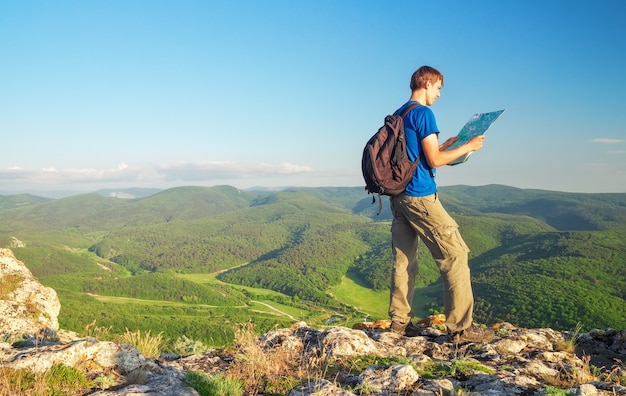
[{"x": 477, "y": 125}]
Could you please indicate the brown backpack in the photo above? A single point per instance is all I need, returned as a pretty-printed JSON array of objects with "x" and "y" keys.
[{"x": 386, "y": 166}]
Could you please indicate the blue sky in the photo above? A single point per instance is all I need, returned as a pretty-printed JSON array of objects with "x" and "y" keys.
[{"x": 137, "y": 93}]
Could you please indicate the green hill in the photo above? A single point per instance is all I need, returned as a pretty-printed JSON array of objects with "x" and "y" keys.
[
  {"x": 563, "y": 211},
  {"x": 14, "y": 201},
  {"x": 539, "y": 258},
  {"x": 554, "y": 280}
]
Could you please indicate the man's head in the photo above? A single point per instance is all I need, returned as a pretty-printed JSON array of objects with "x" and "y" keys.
[
  {"x": 428, "y": 79},
  {"x": 423, "y": 75}
]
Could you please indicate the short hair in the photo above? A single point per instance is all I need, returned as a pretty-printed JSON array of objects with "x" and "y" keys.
[{"x": 424, "y": 74}]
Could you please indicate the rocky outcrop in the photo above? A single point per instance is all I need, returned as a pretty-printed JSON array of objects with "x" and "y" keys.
[
  {"x": 26, "y": 306},
  {"x": 129, "y": 372},
  {"x": 88, "y": 353},
  {"x": 517, "y": 361}
]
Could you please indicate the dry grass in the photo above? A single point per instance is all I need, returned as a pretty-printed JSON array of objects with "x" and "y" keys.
[
  {"x": 147, "y": 344},
  {"x": 569, "y": 345},
  {"x": 9, "y": 283},
  {"x": 617, "y": 374},
  {"x": 58, "y": 380},
  {"x": 270, "y": 371},
  {"x": 100, "y": 333}
]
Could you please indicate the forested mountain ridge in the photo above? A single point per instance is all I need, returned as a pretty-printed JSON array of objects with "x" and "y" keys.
[
  {"x": 539, "y": 258},
  {"x": 601, "y": 210},
  {"x": 561, "y": 210},
  {"x": 17, "y": 200},
  {"x": 96, "y": 212}
]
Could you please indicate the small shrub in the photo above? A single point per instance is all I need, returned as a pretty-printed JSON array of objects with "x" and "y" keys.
[
  {"x": 185, "y": 346},
  {"x": 58, "y": 380},
  {"x": 552, "y": 391},
  {"x": 104, "y": 381},
  {"x": 357, "y": 364},
  {"x": 213, "y": 385},
  {"x": 16, "y": 382},
  {"x": 62, "y": 378},
  {"x": 365, "y": 388},
  {"x": 453, "y": 368},
  {"x": 280, "y": 385},
  {"x": 500, "y": 331}
]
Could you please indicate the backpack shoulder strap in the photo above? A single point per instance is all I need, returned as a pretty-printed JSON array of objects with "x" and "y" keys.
[
  {"x": 403, "y": 114},
  {"x": 407, "y": 109}
]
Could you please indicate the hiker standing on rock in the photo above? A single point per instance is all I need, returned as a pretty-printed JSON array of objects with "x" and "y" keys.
[{"x": 418, "y": 213}]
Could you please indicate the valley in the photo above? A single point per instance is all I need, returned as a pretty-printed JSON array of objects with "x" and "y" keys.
[{"x": 199, "y": 261}]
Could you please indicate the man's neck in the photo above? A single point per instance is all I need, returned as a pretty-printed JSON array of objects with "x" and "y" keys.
[{"x": 419, "y": 95}]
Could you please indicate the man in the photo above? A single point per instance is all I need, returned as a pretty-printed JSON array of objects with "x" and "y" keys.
[{"x": 419, "y": 213}]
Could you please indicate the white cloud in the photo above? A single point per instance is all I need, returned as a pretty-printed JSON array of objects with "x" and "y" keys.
[
  {"x": 219, "y": 170},
  {"x": 123, "y": 174},
  {"x": 607, "y": 141},
  {"x": 54, "y": 176}
]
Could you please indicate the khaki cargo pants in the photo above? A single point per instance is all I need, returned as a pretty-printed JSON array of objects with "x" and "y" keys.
[{"x": 425, "y": 217}]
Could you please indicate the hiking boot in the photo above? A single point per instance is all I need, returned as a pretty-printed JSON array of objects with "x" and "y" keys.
[
  {"x": 405, "y": 329},
  {"x": 472, "y": 334},
  {"x": 398, "y": 327},
  {"x": 412, "y": 330}
]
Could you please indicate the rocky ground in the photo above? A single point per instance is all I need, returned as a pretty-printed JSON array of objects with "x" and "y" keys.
[{"x": 328, "y": 361}]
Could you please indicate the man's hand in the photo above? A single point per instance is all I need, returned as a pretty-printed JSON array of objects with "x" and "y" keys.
[{"x": 476, "y": 143}]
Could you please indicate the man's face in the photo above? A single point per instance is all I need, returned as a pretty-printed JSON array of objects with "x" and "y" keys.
[{"x": 432, "y": 92}]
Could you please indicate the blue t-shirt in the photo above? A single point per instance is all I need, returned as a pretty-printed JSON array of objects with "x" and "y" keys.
[{"x": 418, "y": 124}]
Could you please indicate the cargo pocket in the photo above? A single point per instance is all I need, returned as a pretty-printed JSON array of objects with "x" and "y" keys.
[{"x": 449, "y": 241}]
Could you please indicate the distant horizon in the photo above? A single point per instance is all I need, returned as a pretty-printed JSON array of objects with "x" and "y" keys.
[{"x": 64, "y": 193}]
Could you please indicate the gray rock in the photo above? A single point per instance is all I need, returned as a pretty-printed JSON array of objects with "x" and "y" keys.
[{"x": 30, "y": 308}]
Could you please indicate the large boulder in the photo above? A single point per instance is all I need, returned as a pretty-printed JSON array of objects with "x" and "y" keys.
[{"x": 27, "y": 308}]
